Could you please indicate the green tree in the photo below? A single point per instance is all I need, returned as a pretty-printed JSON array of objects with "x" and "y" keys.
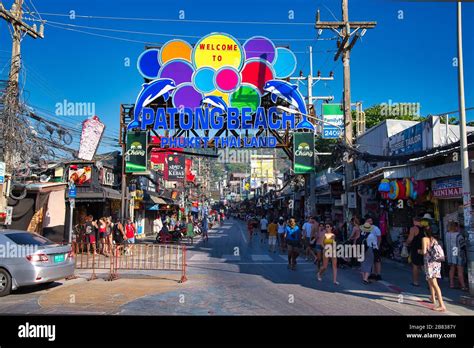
[{"x": 379, "y": 113}]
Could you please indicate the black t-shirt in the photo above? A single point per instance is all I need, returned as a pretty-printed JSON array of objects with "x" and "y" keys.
[{"x": 89, "y": 228}]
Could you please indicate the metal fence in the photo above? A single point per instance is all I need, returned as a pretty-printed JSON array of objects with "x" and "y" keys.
[{"x": 119, "y": 257}]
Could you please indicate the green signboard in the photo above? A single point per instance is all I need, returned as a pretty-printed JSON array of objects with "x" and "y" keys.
[
  {"x": 136, "y": 155},
  {"x": 303, "y": 153}
]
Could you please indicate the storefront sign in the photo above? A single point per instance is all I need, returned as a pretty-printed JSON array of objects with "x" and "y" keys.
[
  {"x": 303, "y": 150},
  {"x": 80, "y": 175},
  {"x": 107, "y": 177},
  {"x": 408, "y": 141},
  {"x": 176, "y": 167},
  {"x": 447, "y": 187},
  {"x": 332, "y": 113},
  {"x": 218, "y": 83},
  {"x": 136, "y": 155}
]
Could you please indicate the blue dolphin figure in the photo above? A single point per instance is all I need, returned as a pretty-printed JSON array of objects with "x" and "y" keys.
[
  {"x": 150, "y": 92},
  {"x": 215, "y": 101},
  {"x": 289, "y": 93}
]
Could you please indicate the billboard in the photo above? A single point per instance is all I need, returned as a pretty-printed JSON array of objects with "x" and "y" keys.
[
  {"x": 176, "y": 167},
  {"x": 303, "y": 153},
  {"x": 407, "y": 141},
  {"x": 261, "y": 169},
  {"x": 92, "y": 131},
  {"x": 136, "y": 154},
  {"x": 332, "y": 113},
  {"x": 80, "y": 175}
]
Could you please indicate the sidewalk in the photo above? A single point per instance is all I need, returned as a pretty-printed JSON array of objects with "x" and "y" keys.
[{"x": 397, "y": 278}]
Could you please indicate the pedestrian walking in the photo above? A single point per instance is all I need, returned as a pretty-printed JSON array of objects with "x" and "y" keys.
[
  {"x": 250, "y": 227},
  {"x": 102, "y": 224},
  {"x": 205, "y": 228},
  {"x": 433, "y": 255},
  {"x": 307, "y": 229},
  {"x": 319, "y": 247},
  {"x": 368, "y": 241},
  {"x": 272, "y": 236},
  {"x": 281, "y": 234},
  {"x": 293, "y": 241},
  {"x": 263, "y": 229},
  {"x": 89, "y": 228},
  {"x": 414, "y": 240},
  {"x": 329, "y": 251},
  {"x": 377, "y": 256},
  {"x": 456, "y": 254},
  {"x": 190, "y": 230},
  {"x": 119, "y": 236}
]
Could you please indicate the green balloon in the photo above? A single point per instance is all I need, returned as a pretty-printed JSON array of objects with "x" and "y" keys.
[{"x": 245, "y": 96}]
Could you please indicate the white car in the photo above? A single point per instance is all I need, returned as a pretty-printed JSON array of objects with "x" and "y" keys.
[{"x": 27, "y": 259}]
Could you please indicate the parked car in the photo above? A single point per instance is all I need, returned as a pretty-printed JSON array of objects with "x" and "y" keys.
[{"x": 27, "y": 259}]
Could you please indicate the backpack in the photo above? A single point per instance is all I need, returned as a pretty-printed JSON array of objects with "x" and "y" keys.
[
  {"x": 436, "y": 253},
  {"x": 363, "y": 239}
]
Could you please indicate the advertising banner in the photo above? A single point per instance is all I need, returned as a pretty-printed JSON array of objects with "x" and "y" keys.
[
  {"x": 303, "y": 153},
  {"x": 176, "y": 167},
  {"x": 136, "y": 154},
  {"x": 332, "y": 113},
  {"x": 80, "y": 175},
  {"x": 447, "y": 187},
  {"x": 407, "y": 141},
  {"x": 92, "y": 131}
]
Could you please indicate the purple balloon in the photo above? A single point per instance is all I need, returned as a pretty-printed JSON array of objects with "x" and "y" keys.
[
  {"x": 178, "y": 70},
  {"x": 187, "y": 96},
  {"x": 260, "y": 47}
]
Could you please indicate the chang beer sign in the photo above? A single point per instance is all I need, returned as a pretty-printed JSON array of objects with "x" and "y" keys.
[
  {"x": 136, "y": 156},
  {"x": 303, "y": 153}
]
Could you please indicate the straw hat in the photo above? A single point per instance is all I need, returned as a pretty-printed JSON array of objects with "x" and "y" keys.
[
  {"x": 367, "y": 227},
  {"x": 427, "y": 216}
]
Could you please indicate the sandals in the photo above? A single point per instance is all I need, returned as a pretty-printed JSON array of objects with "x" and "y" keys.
[{"x": 415, "y": 284}]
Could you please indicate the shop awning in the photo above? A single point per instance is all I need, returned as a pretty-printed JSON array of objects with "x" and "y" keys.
[
  {"x": 443, "y": 170},
  {"x": 157, "y": 200},
  {"x": 100, "y": 195}
]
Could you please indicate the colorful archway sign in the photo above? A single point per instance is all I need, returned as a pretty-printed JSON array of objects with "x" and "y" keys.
[
  {"x": 285, "y": 63},
  {"x": 218, "y": 50},
  {"x": 175, "y": 49},
  {"x": 259, "y": 47},
  {"x": 186, "y": 96},
  {"x": 148, "y": 63},
  {"x": 178, "y": 70},
  {"x": 203, "y": 79},
  {"x": 247, "y": 96},
  {"x": 257, "y": 72},
  {"x": 227, "y": 79}
]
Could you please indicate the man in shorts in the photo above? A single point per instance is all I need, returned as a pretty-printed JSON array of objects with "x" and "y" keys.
[{"x": 272, "y": 236}]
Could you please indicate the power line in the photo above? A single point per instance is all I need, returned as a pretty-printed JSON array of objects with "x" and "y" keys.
[{"x": 177, "y": 20}]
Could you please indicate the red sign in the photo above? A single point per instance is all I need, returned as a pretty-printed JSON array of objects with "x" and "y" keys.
[
  {"x": 158, "y": 157},
  {"x": 453, "y": 192}
]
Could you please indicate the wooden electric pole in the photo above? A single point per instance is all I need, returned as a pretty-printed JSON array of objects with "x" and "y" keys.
[
  {"x": 9, "y": 117},
  {"x": 348, "y": 38}
]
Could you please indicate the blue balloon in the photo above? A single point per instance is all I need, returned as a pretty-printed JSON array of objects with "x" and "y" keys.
[
  {"x": 148, "y": 64},
  {"x": 285, "y": 63}
]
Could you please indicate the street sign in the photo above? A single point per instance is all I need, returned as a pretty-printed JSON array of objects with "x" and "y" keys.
[
  {"x": 72, "y": 203},
  {"x": 72, "y": 193},
  {"x": 8, "y": 219},
  {"x": 332, "y": 113},
  {"x": 2, "y": 172}
]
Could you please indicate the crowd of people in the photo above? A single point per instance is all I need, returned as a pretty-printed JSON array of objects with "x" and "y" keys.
[{"x": 315, "y": 239}]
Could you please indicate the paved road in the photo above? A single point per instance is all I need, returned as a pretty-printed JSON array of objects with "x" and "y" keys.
[{"x": 229, "y": 276}]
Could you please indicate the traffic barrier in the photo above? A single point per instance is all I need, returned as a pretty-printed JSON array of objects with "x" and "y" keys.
[{"x": 123, "y": 257}]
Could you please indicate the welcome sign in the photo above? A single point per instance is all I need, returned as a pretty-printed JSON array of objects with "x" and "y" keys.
[{"x": 217, "y": 84}]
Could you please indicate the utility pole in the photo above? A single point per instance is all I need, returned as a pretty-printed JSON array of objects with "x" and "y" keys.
[
  {"x": 311, "y": 81},
  {"x": 466, "y": 188},
  {"x": 9, "y": 119},
  {"x": 345, "y": 45}
]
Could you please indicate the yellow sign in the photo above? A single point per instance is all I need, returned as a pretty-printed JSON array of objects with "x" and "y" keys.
[{"x": 218, "y": 50}]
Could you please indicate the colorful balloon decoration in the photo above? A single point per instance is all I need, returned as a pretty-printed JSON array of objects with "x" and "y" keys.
[{"x": 394, "y": 190}]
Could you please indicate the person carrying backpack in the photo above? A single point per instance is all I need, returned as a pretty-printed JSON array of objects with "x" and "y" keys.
[
  {"x": 367, "y": 241},
  {"x": 433, "y": 255},
  {"x": 118, "y": 234}
]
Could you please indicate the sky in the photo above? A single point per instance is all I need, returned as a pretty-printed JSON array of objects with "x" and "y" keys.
[{"x": 407, "y": 58}]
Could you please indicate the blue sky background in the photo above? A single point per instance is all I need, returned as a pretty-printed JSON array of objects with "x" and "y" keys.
[{"x": 403, "y": 60}]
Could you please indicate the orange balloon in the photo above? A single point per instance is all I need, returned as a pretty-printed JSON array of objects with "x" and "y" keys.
[{"x": 176, "y": 49}]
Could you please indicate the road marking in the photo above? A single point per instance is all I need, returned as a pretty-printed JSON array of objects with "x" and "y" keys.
[
  {"x": 261, "y": 258},
  {"x": 230, "y": 258},
  {"x": 200, "y": 257},
  {"x": 243, "y": 234}
]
